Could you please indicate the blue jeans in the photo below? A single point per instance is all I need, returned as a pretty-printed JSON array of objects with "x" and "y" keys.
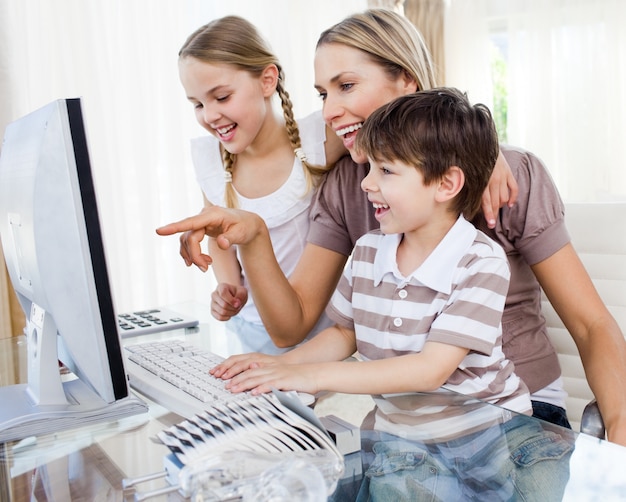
[
  {"x": 517, "y": 460},
  {"x": 550, "y": 413}
]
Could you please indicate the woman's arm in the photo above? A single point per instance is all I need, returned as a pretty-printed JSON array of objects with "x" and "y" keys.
[
  {"x": 289, "y": 309},
  {"x": 598, "y": 337}
]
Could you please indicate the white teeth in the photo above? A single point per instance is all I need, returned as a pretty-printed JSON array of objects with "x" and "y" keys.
[
  {"x": 346, "y": 130},
  {"x": 380, "y": 206},
  {"x": 225, "y": 130}
]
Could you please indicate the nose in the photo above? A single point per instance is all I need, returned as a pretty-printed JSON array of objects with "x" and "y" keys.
[
  {"x": 368, "y": 184},
  {"x": 208, "y": 115},
  {"x": 331, "y": 109}
]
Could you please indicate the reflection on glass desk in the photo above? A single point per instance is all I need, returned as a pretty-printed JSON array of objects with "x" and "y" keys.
[{"x": 404, "y": 456}]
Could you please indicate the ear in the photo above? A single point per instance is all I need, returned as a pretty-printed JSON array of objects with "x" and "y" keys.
[
  {"x": 269, "y": 80},
  {"x": 407, "y": 83},
  {"x": 450, "y": 184}
]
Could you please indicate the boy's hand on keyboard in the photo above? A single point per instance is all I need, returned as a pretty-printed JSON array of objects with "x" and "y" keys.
[
  {"x": 227, "y": 300},
  {"x": 259, "y": 379},
  {"x": 234, "y": 365}
]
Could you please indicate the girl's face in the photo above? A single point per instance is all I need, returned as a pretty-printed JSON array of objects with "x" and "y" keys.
[
  {"x": 228, "y": 102},
  {"x": 352, "y": 86}
]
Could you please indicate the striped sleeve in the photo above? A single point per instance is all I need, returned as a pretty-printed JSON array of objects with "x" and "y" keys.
[{"x": 473, "y": 312}]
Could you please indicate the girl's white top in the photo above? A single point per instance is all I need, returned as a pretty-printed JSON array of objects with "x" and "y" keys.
[{"x": 285, "y": 211}]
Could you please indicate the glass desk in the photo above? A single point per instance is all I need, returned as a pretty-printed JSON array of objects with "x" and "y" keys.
[{"x": 90, "y": 463}]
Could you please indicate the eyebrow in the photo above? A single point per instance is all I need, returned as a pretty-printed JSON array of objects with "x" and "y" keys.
[
  {"x": 333, "y": 80},
  {"x": 210, "y": 92}
]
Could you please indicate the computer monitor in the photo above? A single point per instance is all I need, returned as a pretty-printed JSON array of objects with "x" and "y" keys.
[{"x": 54, "y": 251}]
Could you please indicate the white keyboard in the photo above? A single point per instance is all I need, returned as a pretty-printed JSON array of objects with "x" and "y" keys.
[
  {"x": 175, "y": 374},
  {"x": 155, "y": 320}
]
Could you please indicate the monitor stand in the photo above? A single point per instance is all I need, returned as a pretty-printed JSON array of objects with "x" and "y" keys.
[{"x": 47, "y": 403}]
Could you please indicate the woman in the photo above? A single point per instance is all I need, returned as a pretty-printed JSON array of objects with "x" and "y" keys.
[{"x": 361, "y": 63}]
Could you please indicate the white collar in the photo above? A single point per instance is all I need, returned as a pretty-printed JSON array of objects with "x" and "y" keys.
[{"x": 437, "y": 270}]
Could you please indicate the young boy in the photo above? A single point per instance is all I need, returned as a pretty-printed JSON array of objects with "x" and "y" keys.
[{"x": 421, "y": 300}]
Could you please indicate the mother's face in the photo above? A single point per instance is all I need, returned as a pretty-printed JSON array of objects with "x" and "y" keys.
[{"x": 352, "y": 86}]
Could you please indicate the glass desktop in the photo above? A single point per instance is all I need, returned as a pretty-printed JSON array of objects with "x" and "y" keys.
[{"x": 92, "y": 462}]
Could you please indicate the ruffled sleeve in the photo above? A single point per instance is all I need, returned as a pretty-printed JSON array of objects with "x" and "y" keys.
[{"x": 207, "y": 163}]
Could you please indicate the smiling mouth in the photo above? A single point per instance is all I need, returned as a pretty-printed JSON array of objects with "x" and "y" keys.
[
  {"x": 351, "y": 128},
  {"x": 223, "y": 131}
]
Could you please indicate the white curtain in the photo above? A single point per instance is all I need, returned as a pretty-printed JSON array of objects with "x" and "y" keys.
[
  {"x": 120, "y": 56},
  {"x": 566, "y": 82}
]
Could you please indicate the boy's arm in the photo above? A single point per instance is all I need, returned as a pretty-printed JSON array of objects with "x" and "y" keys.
[
  {"x": 332, "y": 344},
  {"x": 420, "y": 372},
  {"x": 424, "y": 371}
]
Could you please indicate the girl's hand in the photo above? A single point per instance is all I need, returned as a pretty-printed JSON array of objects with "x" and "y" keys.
[
  {"x": 502, "y": 189},
  {"x": 227, "y": 300}
]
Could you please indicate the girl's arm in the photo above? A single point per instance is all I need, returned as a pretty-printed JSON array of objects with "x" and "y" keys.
[
  {"x": 597, "y": 335},
  {"x": 226, "y": 267},
  {"x": 230, "y": 295}
]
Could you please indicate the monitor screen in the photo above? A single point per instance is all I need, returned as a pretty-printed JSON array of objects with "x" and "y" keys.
[{"x": 54, "y": 251}]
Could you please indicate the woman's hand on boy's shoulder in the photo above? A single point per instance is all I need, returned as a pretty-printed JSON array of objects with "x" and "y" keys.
[{"x": 502, "y": 190}]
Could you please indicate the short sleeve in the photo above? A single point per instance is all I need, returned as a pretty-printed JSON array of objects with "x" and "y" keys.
[
  {"x": 535, "y": 226},
  {"x": 471, "y": 319},
  {"x": 340, "y": 309},
  {"x": 209, "y": 169},
  {"x": 312, "y": 129},
  {"x": 340, "y": 212}
]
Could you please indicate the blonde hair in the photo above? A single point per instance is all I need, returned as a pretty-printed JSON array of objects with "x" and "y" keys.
[
  {"x": 235, "y": 41},
  {"x": 390, "y": 40}
]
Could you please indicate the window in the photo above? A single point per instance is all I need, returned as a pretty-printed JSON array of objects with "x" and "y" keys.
[{"x": 554, "y": 74}]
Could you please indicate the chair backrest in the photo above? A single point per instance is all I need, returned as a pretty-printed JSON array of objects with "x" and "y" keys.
[{"x": 599, "y": 238}]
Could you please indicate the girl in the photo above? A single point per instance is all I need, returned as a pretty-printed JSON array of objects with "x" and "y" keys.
[{"x": 254, "y": 159}]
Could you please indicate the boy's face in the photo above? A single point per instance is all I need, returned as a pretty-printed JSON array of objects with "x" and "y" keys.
[{"x": 402, "y": 201}]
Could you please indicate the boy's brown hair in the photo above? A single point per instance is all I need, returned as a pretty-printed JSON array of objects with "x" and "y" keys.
[{"x": 434, "y": 130}]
